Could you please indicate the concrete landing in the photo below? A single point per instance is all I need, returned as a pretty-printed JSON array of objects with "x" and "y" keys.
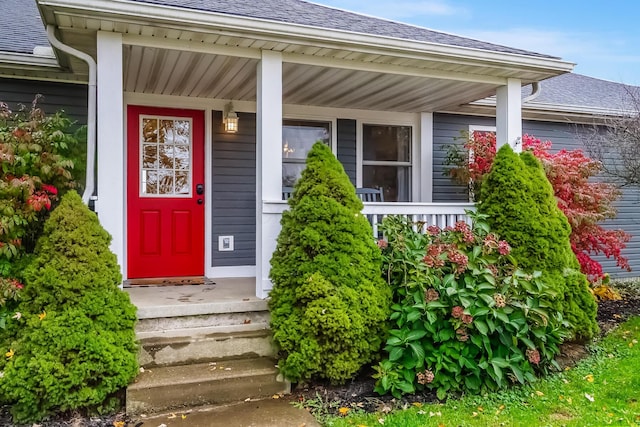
[
  {"x": 257, "y": 413},
  {"x": 224, "y": 295}
]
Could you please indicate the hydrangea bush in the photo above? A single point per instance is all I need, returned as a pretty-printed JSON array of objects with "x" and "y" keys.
[{"x": 465, "y": 318}]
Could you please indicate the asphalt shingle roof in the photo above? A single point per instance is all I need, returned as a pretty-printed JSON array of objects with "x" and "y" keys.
[
  {"x": 21, "y": 27},
  {"x": 316, "y": 15},
  {"x": 578, "y": 90}
]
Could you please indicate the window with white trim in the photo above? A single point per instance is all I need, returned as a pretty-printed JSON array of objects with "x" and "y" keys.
[
  {"x": 386, "y": 160},
  {"x": 298, "y": 136}
]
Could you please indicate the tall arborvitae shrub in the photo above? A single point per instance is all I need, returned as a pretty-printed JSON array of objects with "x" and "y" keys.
[
  {"x": 578, "y": 303},
  {"x": 75, "y": 345},
  {"x": 329, "y": 302},
  {"x": 522, "y": 209}
]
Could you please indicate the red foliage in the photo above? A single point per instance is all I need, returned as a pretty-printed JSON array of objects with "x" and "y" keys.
[
  {"x": 585, "y": 203},
  {"x": 482, "y": 151}
]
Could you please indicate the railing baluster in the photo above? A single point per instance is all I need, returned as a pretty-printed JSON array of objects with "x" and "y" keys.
[{"x": 374, "y": 225}]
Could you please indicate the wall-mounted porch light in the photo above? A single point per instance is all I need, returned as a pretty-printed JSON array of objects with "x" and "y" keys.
[{"x": 230, "y": 119}]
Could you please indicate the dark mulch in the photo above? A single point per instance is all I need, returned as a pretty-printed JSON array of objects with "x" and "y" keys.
[{"x": 327, "y": 399}]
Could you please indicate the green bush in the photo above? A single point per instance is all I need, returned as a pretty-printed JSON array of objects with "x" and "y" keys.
[
  {"x": 465, "y": 318},
  {"x": 74, "y": 345},
  {"x": 520, "y": 206},
  {"x": 329, "y": 303}
]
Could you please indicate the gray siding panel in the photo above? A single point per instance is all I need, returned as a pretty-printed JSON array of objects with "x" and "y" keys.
[
  {"x": 234, "y": 191},
  {"x": 72, "y": 98},
  {"x": 347, "y": 147},
  {"x": 446, "y": 132}
]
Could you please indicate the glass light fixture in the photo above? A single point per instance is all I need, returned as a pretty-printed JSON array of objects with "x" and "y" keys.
[{"x": 230, "y": 119}]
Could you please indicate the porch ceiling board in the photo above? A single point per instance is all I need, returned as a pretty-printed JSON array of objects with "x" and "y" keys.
[
  {"x": 241, "y": 72},
  {"x": 197, "y": 74}
]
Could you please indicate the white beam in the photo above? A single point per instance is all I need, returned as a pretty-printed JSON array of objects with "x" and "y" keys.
[
  {"x": 426, "y": 157},
  {"x": 378, "y": 67},
  {"x": 111, "y": 141},
  {"x": 509, "y": 115},
  {"x": 268, "y": 162}
]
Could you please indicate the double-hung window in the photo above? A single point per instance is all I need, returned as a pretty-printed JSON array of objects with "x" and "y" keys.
[{"x": 386, "y": 160}]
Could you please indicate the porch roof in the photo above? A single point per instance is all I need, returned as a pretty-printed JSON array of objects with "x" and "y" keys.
[{"x": 331, "y": 57}]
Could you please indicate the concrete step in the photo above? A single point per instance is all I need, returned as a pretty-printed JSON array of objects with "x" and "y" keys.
[
  {"x": 192, "y": 346},
  {"x": 189, "y": 323},
  {"x": 264, "y": 413},
  {"x": 176, "y": 387}
]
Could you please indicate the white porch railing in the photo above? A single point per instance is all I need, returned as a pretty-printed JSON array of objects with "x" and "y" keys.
[{"x": 440, "y": 214}]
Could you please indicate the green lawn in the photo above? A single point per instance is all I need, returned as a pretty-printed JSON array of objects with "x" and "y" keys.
[{"x": 601, "y": 390}]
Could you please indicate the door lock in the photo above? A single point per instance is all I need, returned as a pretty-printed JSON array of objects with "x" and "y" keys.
[{"x": 200, "y": 189}]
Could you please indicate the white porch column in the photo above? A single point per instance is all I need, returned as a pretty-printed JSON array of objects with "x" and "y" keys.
[
  {"x": 268, "y": 162},
  {"x": 426, "y": 157},
  {"x": 110, "y": 142},
  {"x": 509, "y": 115}
]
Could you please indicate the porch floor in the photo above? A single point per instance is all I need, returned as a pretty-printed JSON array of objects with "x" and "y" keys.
[{"x": 220, "y": 295}]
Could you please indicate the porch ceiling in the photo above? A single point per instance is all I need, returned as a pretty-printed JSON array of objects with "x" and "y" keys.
[{"x": 183, "y": 73}]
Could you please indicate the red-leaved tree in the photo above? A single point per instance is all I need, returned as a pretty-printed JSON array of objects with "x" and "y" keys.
[
  {"x": 585, "y": 202},
  {"x": 34, "y": 149}
]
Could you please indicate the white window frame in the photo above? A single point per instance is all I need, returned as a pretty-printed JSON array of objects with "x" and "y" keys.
[{"x": 391, "y": 119}]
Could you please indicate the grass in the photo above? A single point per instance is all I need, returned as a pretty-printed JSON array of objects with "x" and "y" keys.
[{"x": 603, "y": 389}]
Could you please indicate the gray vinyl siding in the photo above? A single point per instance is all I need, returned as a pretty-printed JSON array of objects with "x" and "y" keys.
[
  {"x": 563, "y": 136},
  {"x": 447, "y": 129},
  {"x": 347, "y": 147},
  {"x": 233, "y": 207},
  {"x": 72, "y": 98}
]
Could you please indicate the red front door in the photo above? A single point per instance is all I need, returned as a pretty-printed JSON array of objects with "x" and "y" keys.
[{"x": 165, "y": 192}]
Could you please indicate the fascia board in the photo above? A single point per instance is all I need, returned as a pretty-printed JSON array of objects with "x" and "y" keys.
[
  {"x": 560, "y": 108},
  {"x": 288, "y": 32}
]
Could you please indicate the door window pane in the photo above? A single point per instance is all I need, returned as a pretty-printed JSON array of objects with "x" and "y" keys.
[
  {"x": 165, "y": 157},
  {"x": 298, "y": 137}
]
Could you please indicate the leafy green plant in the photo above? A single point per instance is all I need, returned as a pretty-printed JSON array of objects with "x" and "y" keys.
[
  {"x": 464, "y": 317},
  {"x": 329, "y": 303},
  {"x": 74, "y": 342},
  {"x": 601, "y": 390},
  {"x": 520, "y": 206}
]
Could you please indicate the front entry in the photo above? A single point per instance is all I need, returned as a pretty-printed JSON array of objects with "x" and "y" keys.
[{"x": 165, "y": 193}]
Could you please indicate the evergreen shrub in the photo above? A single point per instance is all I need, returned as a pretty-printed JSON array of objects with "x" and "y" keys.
[
  {"x": 521, "y": 207},
  {"x": 329, "y": 303},
  {"x": 465, "y": 319},
  {"x": 75, "y": 342}
]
